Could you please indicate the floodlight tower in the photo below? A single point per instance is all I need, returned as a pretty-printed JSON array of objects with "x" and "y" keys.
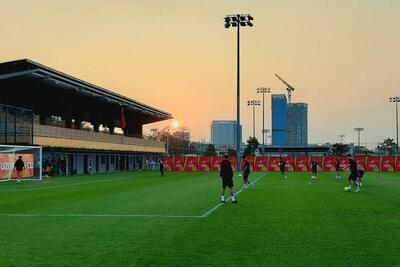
[
  {"x": 254, "y": 103},
  {"x": 341, "y": 136},
  {"x": 396, "y": 99},
  {"x": 263, "y": 90},
  {"x": 238, "y": 20},
  {"x": 359, "y": 130}
]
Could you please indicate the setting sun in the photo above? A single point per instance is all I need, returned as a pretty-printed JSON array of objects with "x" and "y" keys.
[{"x": 175, "y": 124}]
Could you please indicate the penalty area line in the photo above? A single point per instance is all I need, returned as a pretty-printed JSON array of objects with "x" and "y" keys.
[
  {"x": 208, "y": 212},
  {"x": 100, "y": 215}
]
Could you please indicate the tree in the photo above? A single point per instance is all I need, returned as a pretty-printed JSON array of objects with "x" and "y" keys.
[
  {"x": 361, "y": 150},
  {"x": 251, "y": 146},
  {"x": 211, "y": 150},
  {"x": 159, "y": 135},
  {"x": 388, "y": 145},
  {"x": 339, "y": 149},
  {"x": 231, "y": 152}
]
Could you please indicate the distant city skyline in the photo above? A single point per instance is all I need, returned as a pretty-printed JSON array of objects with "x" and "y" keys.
[{"x": 341, "y": 56}]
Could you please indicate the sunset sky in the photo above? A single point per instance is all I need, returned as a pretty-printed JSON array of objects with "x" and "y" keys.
[{"x": 342, "y": 56}]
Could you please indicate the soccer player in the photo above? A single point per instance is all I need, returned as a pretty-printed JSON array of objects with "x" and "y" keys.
[
  {"x": 338, "y": 169},
  {"x": 314, "y": 167},
  {"x": 354, "y": 174},
  {"x": 282, "y": 167},
  {"x": 19, "y": 166},
  {"x": 161, "y": 168},
  {"x": 226, "y": 174},
  {"x": 246, "y": 173},
  {"x": 360, "y": 175}
]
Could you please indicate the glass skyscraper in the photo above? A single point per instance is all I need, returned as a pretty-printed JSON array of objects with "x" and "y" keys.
[
  {"x": 279, "y": 120},
  {"x": 297, "y": 124},
  {"x": 223, "y": 133}
]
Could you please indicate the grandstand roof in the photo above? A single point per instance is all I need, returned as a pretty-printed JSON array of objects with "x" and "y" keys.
[{"x": 41, "y": 85}]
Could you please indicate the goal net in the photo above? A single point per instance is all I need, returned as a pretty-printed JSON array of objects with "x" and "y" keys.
[{"x": 31, "y": 156}]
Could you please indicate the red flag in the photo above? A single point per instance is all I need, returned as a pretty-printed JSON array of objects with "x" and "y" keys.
[{"x": 123, "y": 120}]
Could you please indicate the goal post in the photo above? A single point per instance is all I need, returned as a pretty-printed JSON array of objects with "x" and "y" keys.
[{"x": 31, "y": 156}]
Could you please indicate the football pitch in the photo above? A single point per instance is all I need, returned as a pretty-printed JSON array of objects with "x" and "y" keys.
[{"x": 142, "y": 219}]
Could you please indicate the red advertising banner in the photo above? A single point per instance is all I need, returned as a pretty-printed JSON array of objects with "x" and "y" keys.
[
  {"x": 179, "y": 163},
  {"x": 372, "y": 164},
  {"x": 7, "y": 165},
  {"x": 192, "y": 163},
  {"x": 167, "y": 162},
  {"x": 388, "y": 163},
  {"x": 232, "y": 159},
  {"x": 216, "y": 163},
  {"x": 204, "y": 163},
  {"x": 318, "y": 159},
  {"x": 251, "y": 161},
  {"x": 261, "y": 163},
  {"x": 301, "y": 163},
  {"x": 398, "y": 163},
  {"x": 273, "y": 163},
  {"x": 329, "y": 164},
  {"x": 344, "y": 163},
  {"x": 360, "y": 161},
  {"x": 289, "y": 163}
]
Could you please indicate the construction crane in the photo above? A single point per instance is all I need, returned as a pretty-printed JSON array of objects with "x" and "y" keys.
[{"x": 289, "y": 88}]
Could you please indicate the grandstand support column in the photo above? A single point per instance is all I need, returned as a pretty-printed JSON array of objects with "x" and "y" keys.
[
  {"x": 42, "y": 117},
  {"x": 111, "y": 126},
  {"x": 96, "y": 126},
  {"x": 78, "y": 123},
  {"x": 68, "y": 121}
]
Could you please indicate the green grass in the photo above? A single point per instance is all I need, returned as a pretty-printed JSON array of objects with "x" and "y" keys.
[{"x": 279, "y": 223}]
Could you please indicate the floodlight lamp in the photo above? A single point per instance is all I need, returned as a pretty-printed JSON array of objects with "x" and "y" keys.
[
  {"x": 250, "y": 24},
  {"x": 242, "y": 18},
  {"x": 242, "y": 23},
  {"x": 227, "y": 19},
  {"x": 250, "y": 17},
  {"x": 234, "y": 24},
  {"x": 227, "y": 25},
  {"x": 234, "y": 18}
]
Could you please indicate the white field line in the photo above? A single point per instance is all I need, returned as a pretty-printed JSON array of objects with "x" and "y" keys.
[
  {"x": 208, "y": 212},
  {"x": 67, "y": 185},
  {"x": 99, "y": 215}
]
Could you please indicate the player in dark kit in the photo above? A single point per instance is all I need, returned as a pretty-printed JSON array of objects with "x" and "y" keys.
[
  {"x": 161, "y": 168},
  {"x": 360, "y": 176},
  {"x": 282, "y": 167},
  {"x": 19, "y": 166},
  {"x": 338, "y": 169},
  {"x": 246, "y": 173},
  {"x": 354, "y": 175},
  {"x": 314, "y": 168},
  {"x": 226, "y": 174}
]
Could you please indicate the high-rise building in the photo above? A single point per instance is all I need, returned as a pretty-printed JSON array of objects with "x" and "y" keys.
[
  {"x": 279, "y": 120},
  {"x": 184, "y": 135},
  {"x": 223, "y": 133},
  {"x": 297, "y": 124}
]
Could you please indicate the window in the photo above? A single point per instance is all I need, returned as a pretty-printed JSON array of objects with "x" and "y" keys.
[{"x": 103, "y": 159}]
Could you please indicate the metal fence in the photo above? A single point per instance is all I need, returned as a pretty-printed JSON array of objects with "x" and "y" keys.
[
  {"x": 66, "y": 133},
  {"x": 16, "y": 125}
]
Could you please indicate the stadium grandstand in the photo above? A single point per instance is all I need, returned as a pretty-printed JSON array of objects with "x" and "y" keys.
[{"x": 88, "y": 128}]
